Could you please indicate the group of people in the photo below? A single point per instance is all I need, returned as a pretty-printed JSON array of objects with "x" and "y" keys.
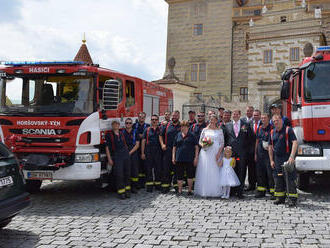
[{"x": 212, "y": 154}]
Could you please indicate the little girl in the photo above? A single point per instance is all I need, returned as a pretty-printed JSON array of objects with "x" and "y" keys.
[{"x": 228, "y": 177}]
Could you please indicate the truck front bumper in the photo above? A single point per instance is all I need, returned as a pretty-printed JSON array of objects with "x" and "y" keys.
[
  {"x": 314, "y": 163},
  {"x": 76, "y": 171}
]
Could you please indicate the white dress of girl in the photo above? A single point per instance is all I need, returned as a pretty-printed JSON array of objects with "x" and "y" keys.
[
  {"x": 228, "y": 177},
  {"x": 208, "y": 172}
]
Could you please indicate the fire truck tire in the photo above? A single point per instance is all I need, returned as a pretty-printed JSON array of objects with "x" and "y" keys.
[
  {"x": 303, "y": 181},
  {"x": 33, "y": 186}
]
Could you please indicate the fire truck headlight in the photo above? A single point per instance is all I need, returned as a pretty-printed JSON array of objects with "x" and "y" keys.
[
  {"x": 306, "y": 150},
  {"x": 87, "y": 158}
]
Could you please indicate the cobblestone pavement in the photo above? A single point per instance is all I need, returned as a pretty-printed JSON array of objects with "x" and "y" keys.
[{"x": 77, "y": 214}]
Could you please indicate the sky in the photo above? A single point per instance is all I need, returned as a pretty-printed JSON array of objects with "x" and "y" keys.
[{"x": 124, "y": 35}]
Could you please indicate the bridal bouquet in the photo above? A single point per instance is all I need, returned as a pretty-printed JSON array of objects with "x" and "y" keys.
[{"x": 206, "y": 142}]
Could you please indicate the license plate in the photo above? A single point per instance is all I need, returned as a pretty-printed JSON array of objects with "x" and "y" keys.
[
  {"x": 40, "y": 175},
  {"x": 5, "y": 181}
]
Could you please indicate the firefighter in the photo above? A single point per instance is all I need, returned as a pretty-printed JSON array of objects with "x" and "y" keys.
[
  {"x": 265, "y": 178},
  {"x": 282, "y": 148},
  {"x": 197, "y": 128},
  {"x": 118, "y": 157},
  {"x": 140, "y": 126},
  {"x": 151, "y": 153},
  {"x": 169, "y": 133},
  {"x": 133, "y": 143}
]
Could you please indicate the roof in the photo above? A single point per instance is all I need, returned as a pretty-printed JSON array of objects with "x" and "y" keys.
[{"x": 83, "y": 54}]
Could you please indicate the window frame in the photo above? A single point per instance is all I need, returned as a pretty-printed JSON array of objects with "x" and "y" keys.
[
  {"x": 268, "y": 56},
  {"x": 294, "y": 53},
  {"x": 244, "y": 94},
  {"x": 198, "y": 29}
]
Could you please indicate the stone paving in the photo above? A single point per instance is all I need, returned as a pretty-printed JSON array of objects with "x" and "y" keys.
[{"x": 77, "y": 214}]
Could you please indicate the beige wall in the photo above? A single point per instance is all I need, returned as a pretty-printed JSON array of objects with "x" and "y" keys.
[{"x": 213, "y": 47}]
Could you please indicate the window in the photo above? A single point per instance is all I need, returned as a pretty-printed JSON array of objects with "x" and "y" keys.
[
  {"x": 198, "y": 72},
  {"x": 268, "y": 56},
  {"x": 294, "y": 53},
  {"x": 198, "y": 29},
  {"x": 283, "y": 19},
  {"x": 243, "y": 94},
  {"x": 130, "y": 93},
  {"x": 202, "y": 72},
  {"x": 194, "y": 71}
]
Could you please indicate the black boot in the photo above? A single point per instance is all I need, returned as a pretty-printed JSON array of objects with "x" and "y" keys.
[
  {"x": 260, "y": 194},
  {"x": 279, "y": 200},
  {"x": 292, "y": 202}
]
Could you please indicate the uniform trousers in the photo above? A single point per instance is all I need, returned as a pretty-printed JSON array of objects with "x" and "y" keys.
[
  {"x": 168, "y": 170},
  {"x": 134, "y": 165},
  {"x": 121, "y": 170},
  {"x": 265, "y": 179},
  {"x": 153, "y": 166},
  {"x": 280, "y": 181}
]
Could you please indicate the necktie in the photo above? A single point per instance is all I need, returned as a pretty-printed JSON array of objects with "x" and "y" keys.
[
  {"x": 255, "y": 127},
  {"x": 236, "y": 129}
]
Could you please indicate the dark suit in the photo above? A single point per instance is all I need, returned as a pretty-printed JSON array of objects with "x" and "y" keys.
[
  {"x": 251, "y": 165},
  {"x": 240, "y": 147}
]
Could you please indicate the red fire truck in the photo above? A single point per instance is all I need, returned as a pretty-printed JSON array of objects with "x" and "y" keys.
[
  {"x": 54, "y": 115},
  {"x": 306, "y": 91}
]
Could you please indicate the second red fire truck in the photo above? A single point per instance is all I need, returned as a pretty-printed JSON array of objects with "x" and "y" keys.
[{"x": 306, "y": 91}]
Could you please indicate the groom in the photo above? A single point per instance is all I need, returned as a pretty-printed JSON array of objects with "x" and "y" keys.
[{"x": 239, "y": 135}]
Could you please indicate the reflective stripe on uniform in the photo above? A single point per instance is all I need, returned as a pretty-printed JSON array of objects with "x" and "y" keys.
[
  {"x": 128, "y": 187},
  {"x": 292, "y": 195},
  {"x": 175, "y": 185},
  {"x": 172, "y": 173},
  {"x": 164, "y": 185},
  {"x": 121, "y": 191},
  {"x": 134, "y": 179},
  {"x": 157, "y": 183},
  {"x": 260, "y": 188},
  {"x": 271, "y": 190},
  {"x": 149, "y": 183},
  {"x": 142, "y": 175},
  {"x": 279, "y": 194}
]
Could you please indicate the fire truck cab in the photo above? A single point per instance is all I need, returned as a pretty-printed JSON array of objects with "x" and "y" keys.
[
  {"x": 306, "y": 92},
  {"x": 54, "y": 115}
]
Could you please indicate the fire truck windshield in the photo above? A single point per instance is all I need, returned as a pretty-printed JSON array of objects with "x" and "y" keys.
[
  {"x": 55, "y": 95},
  {"x": 317, "y": 82}
]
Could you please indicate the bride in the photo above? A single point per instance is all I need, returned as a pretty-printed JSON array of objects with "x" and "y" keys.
[{"x": 208, "y": 172}]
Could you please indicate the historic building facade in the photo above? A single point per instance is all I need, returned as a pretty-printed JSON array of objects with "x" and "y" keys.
[{"x": 234, "y": 51}]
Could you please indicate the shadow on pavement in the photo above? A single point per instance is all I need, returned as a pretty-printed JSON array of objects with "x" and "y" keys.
[
  {"x": 84, "y": 198},
  {"x": 10, "y": 238}
]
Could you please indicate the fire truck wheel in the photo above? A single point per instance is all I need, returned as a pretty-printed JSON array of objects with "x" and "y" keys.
[
  {"x": 303, "y": 181},
  {"x": 33, "y": 186}
]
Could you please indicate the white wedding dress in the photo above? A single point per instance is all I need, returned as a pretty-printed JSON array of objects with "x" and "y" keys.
[{"x": 208, "y": 172}]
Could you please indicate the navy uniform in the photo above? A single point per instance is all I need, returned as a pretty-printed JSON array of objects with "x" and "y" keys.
[
  {"x": 282, "y": 145},
  {"x": 120, "y": 156},
  {"x": 169, "y": 133},
  {"x": 185, "y": 155},
  {"x": 265, "y": 179},
  {"x": 196, "y": 129},
  {"x": 153, "y": 155},
  {"x": 139, "y": 129},
  {"x": 131, "y": 138},
  {"x": 192, "y": 122}
]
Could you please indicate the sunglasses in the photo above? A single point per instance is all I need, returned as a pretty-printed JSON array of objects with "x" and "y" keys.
[
  {"x": 200, "y": 115},
  {"x": 128, "y": 123},
  {"x": 154, "y": 119}
]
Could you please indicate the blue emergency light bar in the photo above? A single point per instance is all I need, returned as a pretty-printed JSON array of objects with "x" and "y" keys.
[
  {"x": 323, "y": 49},
  {"x": 11, "y": 63}
]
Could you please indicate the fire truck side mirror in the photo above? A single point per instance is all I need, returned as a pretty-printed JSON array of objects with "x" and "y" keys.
[
  {"x": 285, "y": 90},
  {"x": 110, "y": 95}
]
